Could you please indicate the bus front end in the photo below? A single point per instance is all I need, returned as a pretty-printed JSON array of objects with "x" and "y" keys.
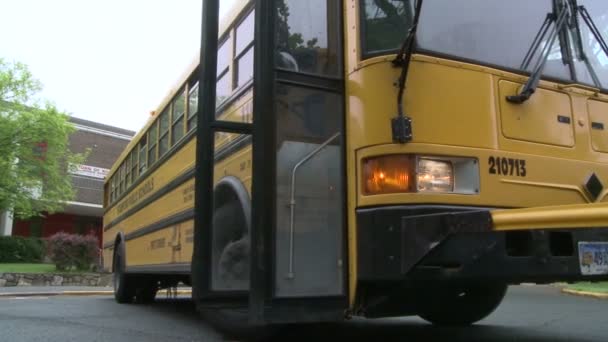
[{"x": 503, "y": 175}]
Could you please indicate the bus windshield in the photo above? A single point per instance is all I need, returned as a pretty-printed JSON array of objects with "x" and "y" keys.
[{"x": 491, "y": 32}]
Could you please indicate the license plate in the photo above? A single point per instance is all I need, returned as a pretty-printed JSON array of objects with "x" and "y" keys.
[{"x": 593, "y": 257}]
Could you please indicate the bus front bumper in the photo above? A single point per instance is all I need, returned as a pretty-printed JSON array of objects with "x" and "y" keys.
[{"x": 440, "y": 243}]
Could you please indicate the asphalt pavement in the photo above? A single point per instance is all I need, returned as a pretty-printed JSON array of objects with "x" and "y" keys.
[
  {"x": 529, "y": 313},
  {"x": 10, "y": 290}
]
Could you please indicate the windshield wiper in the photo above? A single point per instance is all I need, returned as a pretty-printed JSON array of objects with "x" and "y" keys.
[
  {"x": 578, "y": 45},
  {"x": 402, "y": 124},
  {"x": 560, "y": 21},
  {"x": 596, "y": 33}
]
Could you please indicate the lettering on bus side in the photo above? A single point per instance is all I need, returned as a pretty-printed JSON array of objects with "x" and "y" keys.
[
  {"x": 136, "y": 195},
  {"x": 247, "y": 112},
  {"x": 188, "y": 194},
  {"x": 190, "y": 236},
  {"x": 157, "y": 244},
  {"x": 245, "y": 165},
  {"x": 507, "y": 166}
]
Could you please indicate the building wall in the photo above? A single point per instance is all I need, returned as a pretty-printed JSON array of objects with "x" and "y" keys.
[
  {"x": 103, "y": 152},
  {"x": 83, "y": 215},
  {"x": 50, "y": 224},
  {"x": 104, "y": 149}
]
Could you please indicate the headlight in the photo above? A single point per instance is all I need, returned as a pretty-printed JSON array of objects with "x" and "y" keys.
[
  {"x": 402, "y": 173},
  {"x": 388, "y": 174},
  {"x": 435, "y": 175}
]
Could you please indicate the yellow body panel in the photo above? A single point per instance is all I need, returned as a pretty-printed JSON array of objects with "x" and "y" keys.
[
  {"x": 459, "y": 109},
  {"x": 168, "y": 246},
  {"x": 546, "y": 118},
  {"x": 598, "y": 124}
]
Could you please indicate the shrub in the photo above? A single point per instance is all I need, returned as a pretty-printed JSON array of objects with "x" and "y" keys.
[
  {"x": 17, "y": 249},
  {"x": 72, "y": 251}
]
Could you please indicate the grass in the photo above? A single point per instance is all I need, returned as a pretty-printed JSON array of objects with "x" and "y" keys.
[
  {"x": 601, "y": 287},
  {"x": 27, "y": 268}
]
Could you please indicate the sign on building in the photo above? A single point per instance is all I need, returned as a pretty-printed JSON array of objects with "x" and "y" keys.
[{"x": 90, "y": 171}]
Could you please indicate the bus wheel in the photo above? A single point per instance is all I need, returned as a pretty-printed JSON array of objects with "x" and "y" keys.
[
  {"x": 462, "y": 305},
  {"x": 146, "y": 294},
  {"x": 230, "y": 248},
  {"x": 124, "y": 287}
]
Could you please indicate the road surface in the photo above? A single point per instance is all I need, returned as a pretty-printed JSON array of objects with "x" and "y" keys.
[{"x": 529, "y": 313}]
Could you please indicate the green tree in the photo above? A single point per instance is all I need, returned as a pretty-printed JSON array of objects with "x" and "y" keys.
[
  {"x": 34, "y": 155},
  {"x": 287, "y": 41}
]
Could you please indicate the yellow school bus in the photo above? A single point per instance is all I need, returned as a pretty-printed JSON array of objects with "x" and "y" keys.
[{"x": 396, "y": 157}]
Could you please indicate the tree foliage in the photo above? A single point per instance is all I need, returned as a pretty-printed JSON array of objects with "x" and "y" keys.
[
  {"x": 34, "y": 155},
  {"x": 286, "y": 40}
]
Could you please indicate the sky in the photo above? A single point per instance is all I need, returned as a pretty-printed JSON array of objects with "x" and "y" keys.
[{"x": 110, "y": 61}]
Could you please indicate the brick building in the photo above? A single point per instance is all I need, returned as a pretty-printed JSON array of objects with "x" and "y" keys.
[{"x": 84, "y": 214}]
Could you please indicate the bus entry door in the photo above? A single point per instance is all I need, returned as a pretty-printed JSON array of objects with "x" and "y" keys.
[{"x": 309, "y": 253}]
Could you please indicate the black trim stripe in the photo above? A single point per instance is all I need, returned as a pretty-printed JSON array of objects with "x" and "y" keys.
[
  {"x": 156, "y": 226},
  {"x": 222, "y": 154},
  {"x": 310, "y": 81},
  {"x": 182, "y": 268},
  {"x": 172, "y": 185},
  {"x": 234, "y": 98},
  {"x": 160, "y": 225},
  {"x": 234, "y": 146}
]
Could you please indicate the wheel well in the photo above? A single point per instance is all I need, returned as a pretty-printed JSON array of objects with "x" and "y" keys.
[
  {"x": 231, "y": 189},
  {"x": 230, "y": 236},
  {"x": 118, "y": 244}
]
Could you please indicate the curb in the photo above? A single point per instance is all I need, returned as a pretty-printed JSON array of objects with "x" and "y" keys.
[
  {"x": 597, "y": 295},
  {"x": 78, "y": 293}
]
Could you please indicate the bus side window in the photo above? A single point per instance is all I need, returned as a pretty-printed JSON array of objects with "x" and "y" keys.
[
  {"x": 177, "y": 125},
  {"x": 128, "y": 171},
  {"x": 112, "y": 189},
  {"x": 121, "y": 172},
  {"x": 223, "y": 85},
  {"x": 134, "y": 168},
  {"x": 163, "y": 145},
  {"x": 243, "y": 59},
  {"x": 192, "y": 107},
  {"x": 152, "y": 142},
  {"x": 142, "y": 154},
  {"x": 106, "y": 195}
]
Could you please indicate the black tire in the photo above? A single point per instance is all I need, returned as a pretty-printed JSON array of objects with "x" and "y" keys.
[
  {"x": 230, "y": 252},
  {"x": 124, "y": 284},
  {"x": 463, "y": 304},
  {"x": 145, "y": 295}
]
